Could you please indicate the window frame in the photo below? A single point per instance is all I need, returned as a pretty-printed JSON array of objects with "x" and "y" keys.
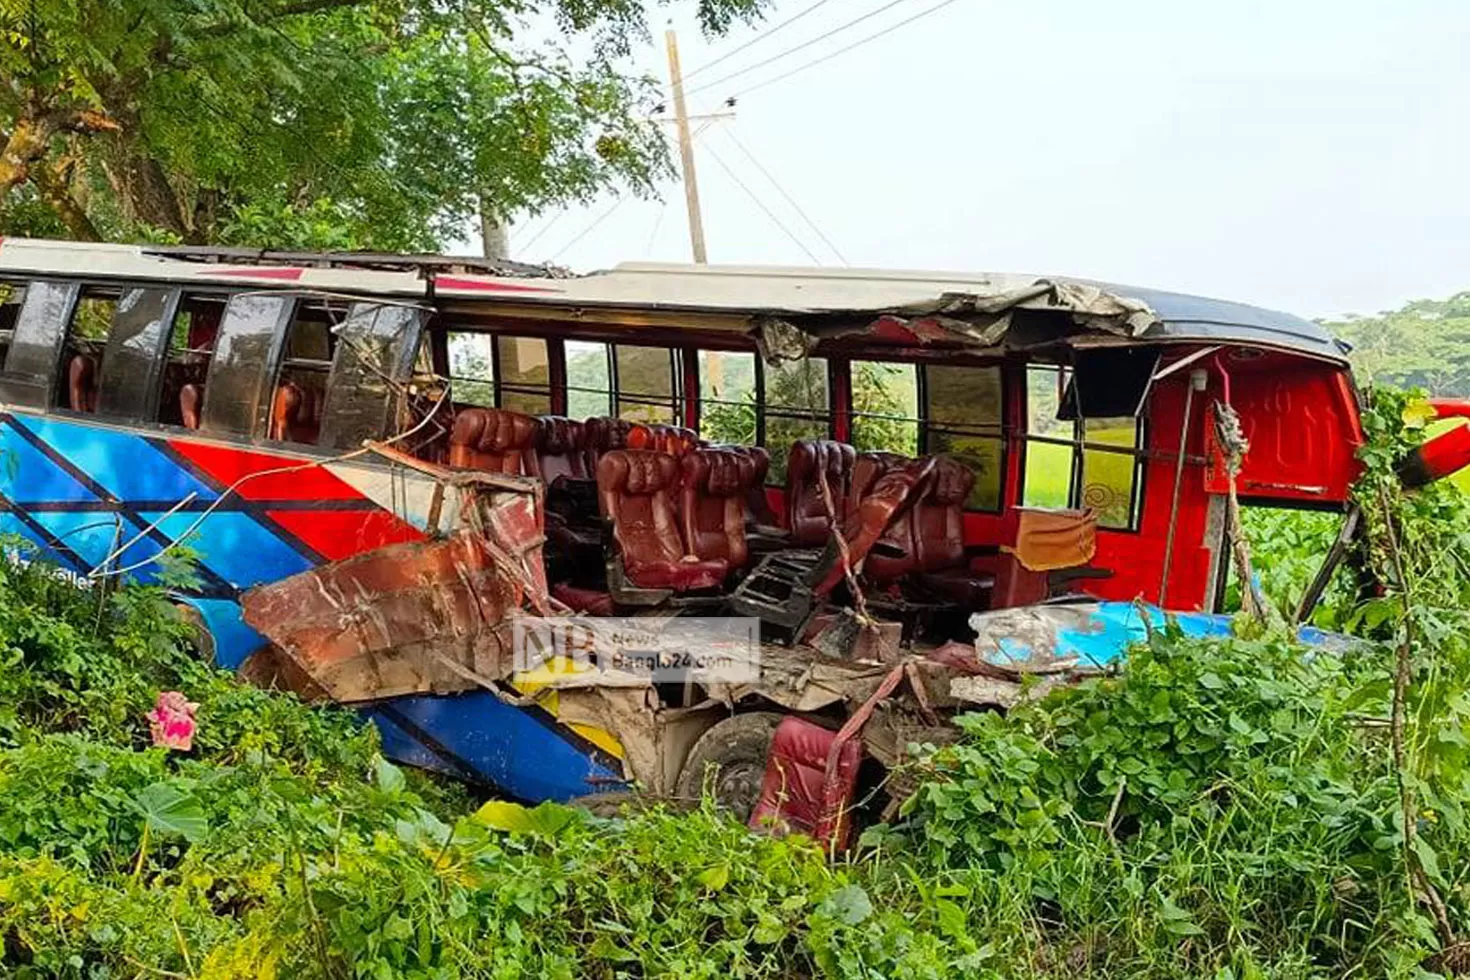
[
  {"x": 919, "y": 418},
  {"x": 676, "y": 397},
  {"x": 765, "y": 412},
  {"x": 1079, "y": 446},
  {"x": 143, "y": 408},
  {"x": 521, "y": 387},
  {"x": 25, "y": 387},
  {"x": 996, "y": 431}
]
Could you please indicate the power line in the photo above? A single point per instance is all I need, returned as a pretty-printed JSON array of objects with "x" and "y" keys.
[
  {"x": 657, "y": 221},
  {"x": 561, "y": 213},
  {"x": 789, "y": 199},
  {"x": 762, "y": 205},
  {"x": 792, "y": 50},
  {"x": 588, "y": 230},
  {"x": 828, "y": 57},
  {"x": 763, "y": 35}
]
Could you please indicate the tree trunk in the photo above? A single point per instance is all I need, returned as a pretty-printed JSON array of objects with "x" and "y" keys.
[
  {"x": 55, "y": 192},
  {"x": 27, "y": 143}
]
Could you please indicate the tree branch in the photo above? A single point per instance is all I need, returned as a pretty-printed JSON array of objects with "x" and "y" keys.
[{"x": 51, "y": 182}]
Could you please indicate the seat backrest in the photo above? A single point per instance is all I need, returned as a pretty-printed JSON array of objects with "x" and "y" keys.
[
  {"x": 607, "y": 434},
  {"x": 191, "y": 404},
  {"x": 885, "y": 504},
  {"x": 939, "y": 516},
  {"x": 673, "y": 439},
  {"x": 81, "y": 383},
  {"x": 635, "y": 491},
  {"x": 296, "y": 413},
  {"x": 496, "y": 440},
  {"x": 871, "y": 476},
  {"x": 807, "y": 516},
  {"x": 561, "y": 449},
  {"x": 712, "y": 504}
]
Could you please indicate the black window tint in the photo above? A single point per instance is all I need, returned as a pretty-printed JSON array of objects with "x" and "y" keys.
[
  {"x": 375, "y": 347},
  {"x": 236, "y": 395},
  {"x": 963, "y": 420},
  {"x": 30, "y": 364},
  {"x": 647, "y": 388},
  {"x": 135, "y": 347}
]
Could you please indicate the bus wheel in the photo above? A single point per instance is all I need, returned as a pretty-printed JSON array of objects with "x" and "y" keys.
[{"x": 730, "y": 760}]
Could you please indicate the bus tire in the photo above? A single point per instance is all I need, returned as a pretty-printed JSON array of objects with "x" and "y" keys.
[{"x": 730, "y": 761}]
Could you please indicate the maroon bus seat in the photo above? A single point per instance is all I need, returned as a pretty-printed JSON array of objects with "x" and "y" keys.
[
  {"x": 635, "y": 491},
  {"x": 807, "y": 516},
  {"x": 938, "y": 523},
  {"x": 607, "y": 434},
  {"x": 673, "y": 439},
  {"x": 191, "y": 404},
  {"x": 712, "y": 504},
  {"x": 867, "y": 470},
  {"x": 496, "y": 440},
  {"x": 561, "y": 449},
  {"x": 795, "y": 796},
  {"x": 887, "y": 502},
  {"x": 296, "y": 413},
  {"x": 81, "y": 383}
]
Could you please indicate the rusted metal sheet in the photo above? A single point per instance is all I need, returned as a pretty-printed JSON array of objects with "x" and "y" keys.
[{"x": 411, "y": 618}]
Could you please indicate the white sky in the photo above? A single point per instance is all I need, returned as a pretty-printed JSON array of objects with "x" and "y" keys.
[{"x": 1308, "y": 155}]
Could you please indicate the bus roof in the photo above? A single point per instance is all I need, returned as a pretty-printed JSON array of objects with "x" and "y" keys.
[{"x": 799, "y": 293}]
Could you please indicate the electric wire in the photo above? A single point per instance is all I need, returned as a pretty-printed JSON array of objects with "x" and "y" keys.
[
  {"x": 617, "y": 203},
  {"x": 562, "y": 213},
  {"x": 763, "y": 35},
  {"x": 843, "y": 50},
  {"x": 761, "y": 204},
  {"x": 788, "y": 198},
  {"x": 795, "y": 48}
]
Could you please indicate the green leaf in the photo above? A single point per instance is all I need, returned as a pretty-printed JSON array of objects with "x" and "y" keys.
[
  {"x": 546, "y": 820},
  {"x": 389, "y": 777},
  {"x": 848, "y": 905},
  {"x": 170, "y": 810},
  {"x": 1428, "y": 860},
  {"x": 716, "y": 877}
]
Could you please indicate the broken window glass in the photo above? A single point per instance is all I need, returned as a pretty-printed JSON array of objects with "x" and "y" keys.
[
  {"x": 375, "y": 350},
  {"x": 135, "y": 350},
  {"x": 237, "y": 394}
]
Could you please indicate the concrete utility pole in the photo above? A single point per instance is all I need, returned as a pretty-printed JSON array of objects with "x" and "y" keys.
[{"x": 686, "y": 150}]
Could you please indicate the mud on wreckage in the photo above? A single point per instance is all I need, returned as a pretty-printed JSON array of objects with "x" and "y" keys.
[{"x": 475, "y": 501}]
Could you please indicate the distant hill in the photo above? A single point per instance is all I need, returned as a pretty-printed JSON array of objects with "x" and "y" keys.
[{"x": 1424, "y": 344}]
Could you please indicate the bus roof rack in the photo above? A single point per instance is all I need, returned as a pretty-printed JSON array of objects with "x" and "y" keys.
[{"x": 381, "y": 261}]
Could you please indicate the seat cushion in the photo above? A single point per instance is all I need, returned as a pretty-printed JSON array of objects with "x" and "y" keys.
[
  {"x": 795, "y": 796},
  {"x": 681, "y": 576}
]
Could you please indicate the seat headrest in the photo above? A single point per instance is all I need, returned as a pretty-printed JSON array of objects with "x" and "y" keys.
[
  {"x": 557, "y": 434},
  {"x": 492, "y": 430},
  {"x": 718, "y": 472},
  {"x": 605, "y": 434},
  {"x": 637, "y": 472},
  {"x": 810, "y": 455},
  {"x": 951, "y": 483},
  {"x": 673, "y": 439}
]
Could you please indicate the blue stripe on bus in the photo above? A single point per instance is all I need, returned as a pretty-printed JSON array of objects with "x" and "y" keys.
[
  {"x": 125, "y": 465},
  {"x": 234, "y": 546},
  {"x": 506, "y": 745},
  {"x": 28, "y": 476},
  {"x": 234, "y": 639},
  {"x": 94, "y": 535}
]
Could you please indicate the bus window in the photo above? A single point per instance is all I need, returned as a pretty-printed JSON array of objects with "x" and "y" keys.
[
  {"x": 648, "y": 387},
  {"x": 301, "y": 386},
  {"x": 795, "y": 406},
  {"x": 190, "y": 346},
  {"x": 238, "y": 392},
  {"x": 82, "y": 350},
  {"x": 472, "y": 368},
  {"x": 885, "y": 407},
  {"x": 376, "y": 346},
  {"x": 135, "y": 350},
  {"x": 589, "y": 384},
  {"x": 1048, "y": 481},
  {"x": 1110, "y": 481},
  {"x": 963, "y": 420},
  {"x": 12, "y": 295},
  {"x": 31, "y": 361},
  {"x": 1060, "y": 472},
  {"x": 523, "y": 365},
  {"x": 727, "y": 397}
]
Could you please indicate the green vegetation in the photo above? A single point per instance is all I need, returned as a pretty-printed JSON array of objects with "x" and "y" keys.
[
  {"x": 1229, "y": 808},
  {"x": 1423, "y": 344},
  {"x": 333, "y": 124}
]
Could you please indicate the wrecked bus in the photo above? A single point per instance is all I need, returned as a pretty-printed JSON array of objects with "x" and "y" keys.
[{"x": 913, "y": 488}]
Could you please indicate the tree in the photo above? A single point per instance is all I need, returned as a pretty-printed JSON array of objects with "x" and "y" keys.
[
  {"x": 1424, "y": 344},
  {"x": 381, "y": 124}
]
